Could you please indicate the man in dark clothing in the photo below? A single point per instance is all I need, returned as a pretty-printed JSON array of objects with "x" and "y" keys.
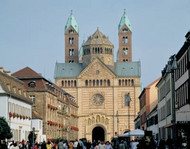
[{"x": 43, "y": 145}]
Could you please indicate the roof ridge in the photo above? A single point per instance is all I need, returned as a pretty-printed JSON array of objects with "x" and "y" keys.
[{"x": 26, "y": 72}]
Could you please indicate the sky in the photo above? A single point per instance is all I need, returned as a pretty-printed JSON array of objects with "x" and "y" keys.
[{"x": 32, "y": 31}]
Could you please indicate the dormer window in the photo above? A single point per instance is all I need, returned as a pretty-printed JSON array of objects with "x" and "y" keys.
[{"x": 32, "y": 84}]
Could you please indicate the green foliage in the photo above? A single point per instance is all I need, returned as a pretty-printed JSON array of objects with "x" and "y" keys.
[{"x": 5, "y": 131}]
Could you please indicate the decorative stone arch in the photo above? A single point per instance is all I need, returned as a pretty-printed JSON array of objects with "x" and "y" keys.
[{"x": 92, "y": 127}]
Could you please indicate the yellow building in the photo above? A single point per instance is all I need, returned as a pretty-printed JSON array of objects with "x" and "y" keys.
[
  {"x": 54, "y": 106},
  {"x": 106, "y": 91}
]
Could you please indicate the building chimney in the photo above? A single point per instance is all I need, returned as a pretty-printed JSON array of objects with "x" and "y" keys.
[
  {"x": 8, "y": 72},
  {"x": 1, "y": 69}
]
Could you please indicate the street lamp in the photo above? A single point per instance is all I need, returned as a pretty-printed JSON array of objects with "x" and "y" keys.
[
  {"x": 117, "y": 115},
  {"x": 171, "y": 67},
  {"x": 33, "y": 135}
]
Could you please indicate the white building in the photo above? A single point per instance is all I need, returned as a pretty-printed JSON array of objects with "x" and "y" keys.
[
  {"x": 152, "y": 122},
  {"x": 37, "y": 123},
  {"x": 164, "y": 105},
  {"x": 15, "y": 105}
]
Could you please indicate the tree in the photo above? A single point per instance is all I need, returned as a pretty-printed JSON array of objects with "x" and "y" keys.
[{"x": 5, "y": 130}]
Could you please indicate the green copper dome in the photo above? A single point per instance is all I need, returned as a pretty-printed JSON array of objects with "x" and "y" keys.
[
  {"x": 72, "y": 22},
  {"x": 124, "y": 21}
]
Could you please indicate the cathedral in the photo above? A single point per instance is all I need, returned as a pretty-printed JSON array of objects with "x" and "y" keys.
[{"x": 106, "y": 91}]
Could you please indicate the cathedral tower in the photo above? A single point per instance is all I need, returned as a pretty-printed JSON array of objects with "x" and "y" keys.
[
  {"x": 71, "y": 40},
  {"x": 125, "y": 39},
  {"x": 98, "y": 46}
]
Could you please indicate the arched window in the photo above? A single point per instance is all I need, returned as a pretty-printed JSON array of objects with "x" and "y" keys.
[
  {"x": 127, "y": 99},
  {"x": 108, "y": 82},
  {"x": 75, "y": 83},
  {"x": 71, "y": 41},
  {"x": 96, "y": 50},
  {"x": 93, "y": 82},
  {"x": 62, "y": 82},
  {"x": 65, "y": 83},
  {"x": 125, "y": 51},
  {"x": 125, "y": 40},
  {"x": 124, "y": 30},
  {"x": 129, "y": 82},
  {"x": 69, "y": 83},
  {"x": 86, "y": 83},
  {"x": 119, "y": 82},
  {"x": 122, "y": 82},
  {"x": 71, "y": 31},
  {"x": 132, "y": 82},
  {"x": 100, "y": 50},
  {"x": 104, "y": 82},
  {"x": 126, "y": 82},
  {"x": 101, "y": 82},
  {"x": 97, "y": 82}
]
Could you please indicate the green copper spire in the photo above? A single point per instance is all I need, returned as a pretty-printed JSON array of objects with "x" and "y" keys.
[
  {"x": 72, "y": 22},
  {"x": 124, "y": 21}
]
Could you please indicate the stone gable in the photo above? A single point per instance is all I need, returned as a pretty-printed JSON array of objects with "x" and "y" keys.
[{"x": 96, "y": 70}]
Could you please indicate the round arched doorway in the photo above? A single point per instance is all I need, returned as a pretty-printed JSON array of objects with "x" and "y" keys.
[{"x": 98, "y": 134}]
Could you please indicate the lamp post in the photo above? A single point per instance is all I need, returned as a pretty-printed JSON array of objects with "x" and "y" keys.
[
  {"x": 171, "y": 67},
  {"x": 117, "y": 115},
  {"x": 33, "y": 135}
]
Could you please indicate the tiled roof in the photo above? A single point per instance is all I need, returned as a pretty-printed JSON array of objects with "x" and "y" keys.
[
  {"x": 26, "y": 73},
  {"x": 67, "y": 70},
  {"x": 121, "y": 69},
  {"x": 127, "y": 69},
  {"x": 98, "y": 38},
  {"x": 13, "y": 82}
]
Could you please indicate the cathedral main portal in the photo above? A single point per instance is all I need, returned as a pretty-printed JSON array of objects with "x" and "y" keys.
[{"x": 98, "y": 134}]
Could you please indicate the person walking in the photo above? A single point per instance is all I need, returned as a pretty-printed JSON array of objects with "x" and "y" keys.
[
  {"x": 43, "y": 145},
  {"x": 70, "y": 145},
  {"x": 102, "y": 145},
  {"x": 121, "y": 145},
  {"x": 60, "y": 144},
  {"x": 108, "y": 145}
]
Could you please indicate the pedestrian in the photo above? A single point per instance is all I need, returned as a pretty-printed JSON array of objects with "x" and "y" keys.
[
  {"x": 125, "y": 143},
  {"x": 108, "y": 145},
  {"x": 121, "y": 145},
  {"x": 70, "y": 145},
  {"x": 60, "y": 144},
  {"x": 161, "y": 144},
  {"x": 49, "y": 145},
  {"x": 14, "y": 146},
  {"x": 75, "y": 144},
  {"x": 102, "y": 145},
  {"x": 65, "y": 145},
  {"x": 43, "y": 145}
]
